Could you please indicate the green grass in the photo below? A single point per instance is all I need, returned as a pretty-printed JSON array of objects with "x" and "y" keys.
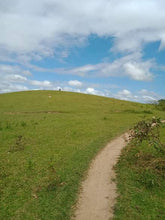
[
  {"x": 44, "y": 156},
  {"x": 141, "y": 181}
]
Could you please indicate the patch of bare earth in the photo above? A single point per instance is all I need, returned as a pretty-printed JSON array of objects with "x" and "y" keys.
[{"x": 98, "y": 193}]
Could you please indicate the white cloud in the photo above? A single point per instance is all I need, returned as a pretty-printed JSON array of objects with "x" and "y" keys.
[
  {"x": 44, "y": 83},
  {"x": 138, "y": 71},
  {"x": 143, "y": 96},
  {"x": 38, "y": 27},
  {"x": 12, "y": 78},
  {"x": 26, "y": 73},
  {"x": 93, "y": 91},
  {"x": 149, "y": 96},
  {"x": 16, "y": 78},
  {"x": 125, "y": 92},
  {"x": 75, "y": 83},
  {"x": 124, "y": 95},
  {"x": 6, "y": 69},
  {"x": 130, "y": 65},
  {"x": 8, "y": 87}
]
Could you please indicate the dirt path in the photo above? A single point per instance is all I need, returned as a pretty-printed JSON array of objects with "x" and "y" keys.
[{"x": 98, "y": 194}]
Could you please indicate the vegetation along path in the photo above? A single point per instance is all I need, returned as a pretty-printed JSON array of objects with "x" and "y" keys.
[{"x": 98, "y": 192}]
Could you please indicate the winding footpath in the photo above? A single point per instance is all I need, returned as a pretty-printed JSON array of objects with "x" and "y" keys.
[{"x": 98, "y": 193}]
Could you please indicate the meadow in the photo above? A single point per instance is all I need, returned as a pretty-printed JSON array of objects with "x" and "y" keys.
[{"x": 47, "y": 140}]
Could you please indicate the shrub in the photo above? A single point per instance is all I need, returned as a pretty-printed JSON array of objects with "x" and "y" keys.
[{"x": 144, "y": 130}]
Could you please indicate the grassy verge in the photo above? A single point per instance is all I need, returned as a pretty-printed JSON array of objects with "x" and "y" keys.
[
  {"x": 47, "y": 140},
  {"x": 141, "y": 180}
]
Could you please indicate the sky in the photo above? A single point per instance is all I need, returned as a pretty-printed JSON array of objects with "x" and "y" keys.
[{"x": 113, "y": 48}]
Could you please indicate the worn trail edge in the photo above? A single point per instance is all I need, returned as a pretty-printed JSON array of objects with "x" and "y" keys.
[{"x": 98, "y": 194}]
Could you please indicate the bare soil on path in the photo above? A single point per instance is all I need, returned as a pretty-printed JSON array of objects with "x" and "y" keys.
[{"x": 98, "y": 193}]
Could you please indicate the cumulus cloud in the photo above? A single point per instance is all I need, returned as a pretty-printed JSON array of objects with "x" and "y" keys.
[
  {"x": 124, "y": 95},
  {"x": 29, "y": 27},
  {"x": 138, "y": 71},
  {"x": 143, "y": 96},
  {"x": 9, "y": 87},
  {"x": 93, "y": 91},
  {"x": 149, "y": 96},
  {"x": 130, "y": 65},
  {"x": 12, "y": 78},
  {"x": 44, "y": 83},
  {"x": 125, "y": 92},
  {"x": 75, "y": 83},
  {"x": 15, "y": 78}
]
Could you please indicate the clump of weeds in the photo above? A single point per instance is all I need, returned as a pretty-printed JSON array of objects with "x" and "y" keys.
[
  {"x": 19, "y": 144},
  {"x": 149, "y": 131},
  {"x": 23, "y": 124},
  {"x": 150, "y": 163}
]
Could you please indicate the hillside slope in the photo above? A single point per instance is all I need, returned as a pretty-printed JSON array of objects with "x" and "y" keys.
[{"x": 48, "y": 139}]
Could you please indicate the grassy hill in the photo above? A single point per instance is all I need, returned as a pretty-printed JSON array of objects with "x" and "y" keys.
[{"x": 48, "y": 139}]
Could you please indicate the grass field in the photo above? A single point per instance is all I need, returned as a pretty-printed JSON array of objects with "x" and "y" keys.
[
  {"x": 47, "y": 143},
  {"x": 141, "y": 181}
]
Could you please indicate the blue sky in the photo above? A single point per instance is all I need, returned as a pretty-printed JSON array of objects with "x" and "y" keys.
[{"x": 112, "y": 48}]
